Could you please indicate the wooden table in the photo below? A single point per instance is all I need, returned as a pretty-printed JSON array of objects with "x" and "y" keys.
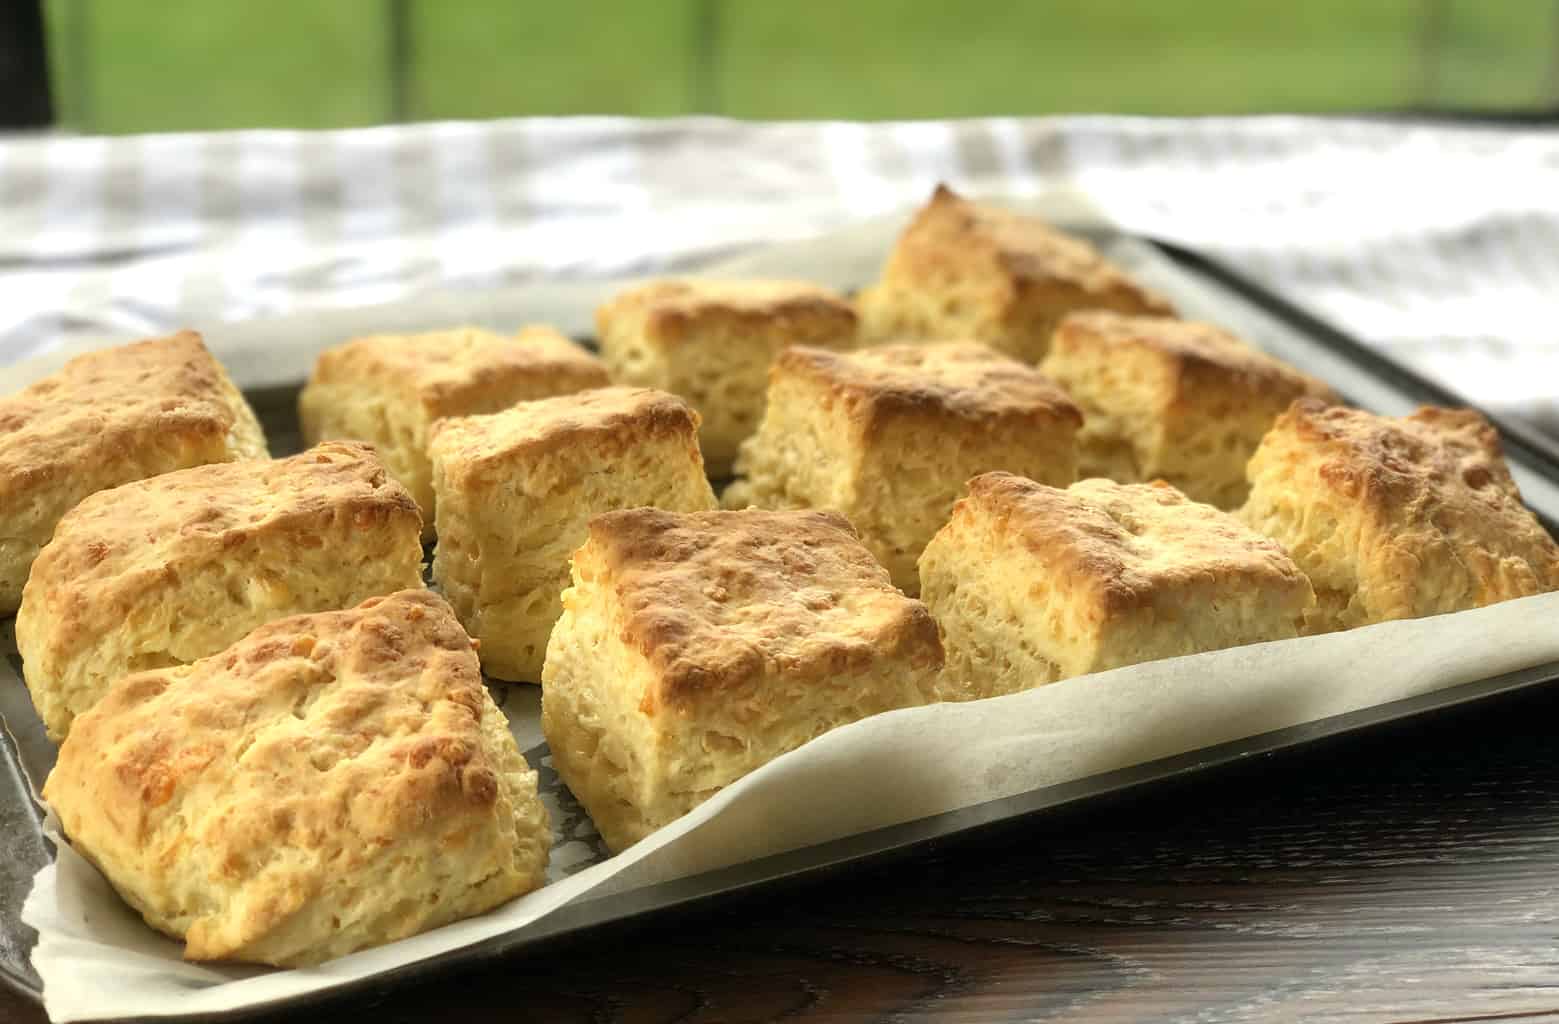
[{"x": 1411, "y": 874}]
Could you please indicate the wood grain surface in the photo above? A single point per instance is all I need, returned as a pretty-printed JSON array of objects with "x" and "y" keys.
[{"x": 1408, "y": 874}]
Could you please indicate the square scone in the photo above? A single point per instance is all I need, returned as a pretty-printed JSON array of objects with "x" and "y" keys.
[
  {"x": 105, "y": 419},
  {"x": 696, "y": 647},
  {"x": 1171, "y": 399},
  {"x": 168, "y": 570},
  {"x": 330, "y": 782},
  {"x": 516, "y": 488},
  {"x": 1397, "y": 518},
  {"x": 388, "y": 389},
  {"x": 971, "y": 270},
  {"x": 1031, "y": 584},
  {"x": 712, "y": 342},
  {"x": 889, "y": 435}
]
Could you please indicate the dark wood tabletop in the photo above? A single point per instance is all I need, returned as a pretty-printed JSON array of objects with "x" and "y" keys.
[{"x": 1407, "y": 874}]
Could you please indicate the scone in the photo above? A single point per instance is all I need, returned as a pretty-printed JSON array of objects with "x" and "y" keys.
[
  {"x": 696, "y": 647},
  {"x": 1397, "y": 518},
  {"x": 1031, "y": 584},
  {"x": 970, "y": 270},
  {"x": 107, "y": 418},
  {"x": 712, "y": 343},
  {"x": 330, "y": 782},
  {"x": 1170, "y": 399},
  {"x": 163, "y": 571},
  {"x": 889, "y": 435},
  {"x": 388, "y": 389},
  {"x": 516, "y": 488}
]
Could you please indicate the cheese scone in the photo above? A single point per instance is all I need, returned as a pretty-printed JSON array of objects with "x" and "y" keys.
[
  {"x": 516, "y": 488},
  {"x": 330, "y": 782},
  {"x": 712, "y": 342},
  {"x": 889, "y": 435},
  {"x": 1397, "y": 518},
  {"x": 696, "y": 647},
  {"x": 105, "y": 419},
  {"x": 388, "y": 389},
  {"x": 971, "y": 270},
  {"x": 1031, "y": 584},
  {"x": 1171, "y": 399},
  {"x": 167, "y": 570}
]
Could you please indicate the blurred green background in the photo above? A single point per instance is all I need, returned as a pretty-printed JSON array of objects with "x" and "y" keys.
[{"x": 132, "y": 65}]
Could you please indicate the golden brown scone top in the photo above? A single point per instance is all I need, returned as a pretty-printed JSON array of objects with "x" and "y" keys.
[
  {"x": 950, "y": 233},
  {"x": 668, "y": 312},
  {"x": 613, "y": 417},
  {"x": 1196, "y": 351},
  {"x": 100, "y": 406},
  {"x": 1121, "y": 544},
  {"x": 449, "y": 371},
  {"x": 716, "y": 601},
  {"x": 1433, "y": 485},
  {"x": 110, "y": 548},
  {"x": 956, "y": 378}
]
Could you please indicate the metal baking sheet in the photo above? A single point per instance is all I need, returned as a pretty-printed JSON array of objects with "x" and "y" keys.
[{"x": 1202, "y": 289}]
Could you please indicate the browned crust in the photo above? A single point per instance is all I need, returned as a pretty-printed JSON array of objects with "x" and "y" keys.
[
  {"x": 672, "y": 312},
  {"x": 717, "y": 601},
  {"x": 604, "y": 420},
  {"x": 933, "y": 382},
  {"x": 1086, "y": 536}
]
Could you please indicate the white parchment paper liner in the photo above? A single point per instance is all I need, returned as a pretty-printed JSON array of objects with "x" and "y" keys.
[{"x": 98, "y": 959}]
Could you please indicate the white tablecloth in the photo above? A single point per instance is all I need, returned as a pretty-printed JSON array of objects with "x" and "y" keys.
[{"x": 1438, "y": 244}]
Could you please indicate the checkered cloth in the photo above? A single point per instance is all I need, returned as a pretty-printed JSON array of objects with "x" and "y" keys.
[{"x": 1440, "y": 245}]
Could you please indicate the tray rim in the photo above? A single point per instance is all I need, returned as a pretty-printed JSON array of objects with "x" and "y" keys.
[{"x": 639, "y": 906}]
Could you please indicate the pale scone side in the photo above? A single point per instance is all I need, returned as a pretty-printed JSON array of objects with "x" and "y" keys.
[
  {"x": 167, "y": 570},
  {"x": 389, "y": 389},
  {"x": 1170, "y": 399},
  {"x": 695, "y": 648},
  {"x": 972, "y": 270},
  {"x": 712, "y": 342},
  {"x": 1397, "y": 518},
  {"x": 329, "y": 783},
  {"x": 1031, "y": 584},
  {"x": 515, "y": 490},
  {"x": 889, "y": 435},
  {"x": 107, "y": 418}
]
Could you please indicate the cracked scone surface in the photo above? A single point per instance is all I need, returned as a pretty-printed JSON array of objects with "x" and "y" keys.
[
  {"x": 388, "y": 389},
  {"x": 104, "y": 419},
  {"x": 712, "y": 342},
  {"x": 330, "y": 782},
  {"x": 1031, "y": 584},
  {"x": 170, "y": 569},
  {"x": 515, "y": 490},
  {"x": 1397, "y": 518},
  {"x": 1171, "y": 399},
  {"x": 694, "y": 648},
  {"x": 963, "y": 269},
  {"x": 889, "y": 435}
]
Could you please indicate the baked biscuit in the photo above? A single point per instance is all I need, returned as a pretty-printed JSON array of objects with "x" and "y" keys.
[
  {"x": 388, "y": 389},
  {"x": 1396, "y": 518},
  {"x": 1031, "y": 584},
  {"x": 889, "y": 435},
  {"x": 696, "y": 647},
  {"x": 1169, "y": 399},
  {"x": 328, "y": 783},
  {"x": 712, "y": 343},
  {"x": 516, "y": 488},
  {"x": 163, "y": 571},
  {"x": 107, "y": 418},
  {"x": 969, "y": 270}
]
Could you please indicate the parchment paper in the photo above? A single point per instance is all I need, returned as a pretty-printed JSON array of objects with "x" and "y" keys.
[{"x": 98, "y": 959}]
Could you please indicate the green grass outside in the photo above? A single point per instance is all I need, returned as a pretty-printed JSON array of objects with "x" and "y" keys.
[{"x": 134, "y": 65}]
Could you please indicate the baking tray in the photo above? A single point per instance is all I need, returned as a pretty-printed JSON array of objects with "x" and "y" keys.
[{"x": 1362, "y": 375}]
